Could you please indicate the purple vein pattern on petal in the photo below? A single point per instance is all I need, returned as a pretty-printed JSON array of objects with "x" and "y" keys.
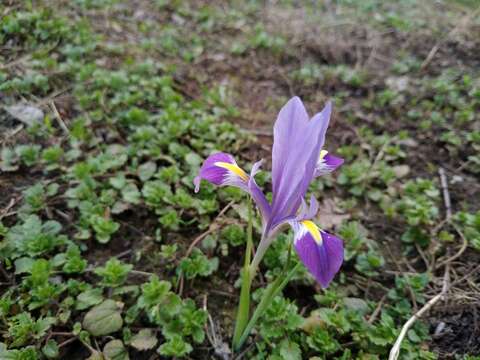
[
  {"x": 323, "y": 117},
  {"x": 322, "y": 259},
  {"x": 334, "y": 253},
  {"x": 317, "y": 128},
  {"x": 221, "y": 169},
  {"x": 327, "y": 163},
  {"x": 292, "y": 121},
  {"x": 297, "y": 144}
]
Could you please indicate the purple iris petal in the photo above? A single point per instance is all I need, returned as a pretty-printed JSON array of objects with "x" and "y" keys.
[
  {"x": 327, "y": 164},
  {"x": 292, "y": 120},
  {"x": 297, "y": 143},
  {"x": 333, "y": 161},
  {"x": 303, "y": 210},
  {"x": 217, "y": 169},
  {"x": 222, "y": 169},
  {"x": 308, "y": 212},
  {"x": 257, "y": 194},
  {"x": 323, "y": 117},
  {"x": 313, "y": 209},
  {"x": 324, "y": 259}
]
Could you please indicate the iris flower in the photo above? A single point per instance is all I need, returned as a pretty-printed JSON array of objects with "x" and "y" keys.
[{"x": 298, "y": 157}]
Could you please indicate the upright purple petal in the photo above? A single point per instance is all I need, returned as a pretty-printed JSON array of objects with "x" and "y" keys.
[
  {"x": 323, "y": 118},
  {"x": 313, "y": 209},
  {"x": 296, "y": 148},
  {"x": 321, "y": 252},
  {"x": 291, "y": 122},
  {"x": 308, "y": 212}
]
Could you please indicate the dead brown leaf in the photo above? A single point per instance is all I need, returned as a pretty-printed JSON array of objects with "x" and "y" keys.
[{"x": 329, "y": 214}]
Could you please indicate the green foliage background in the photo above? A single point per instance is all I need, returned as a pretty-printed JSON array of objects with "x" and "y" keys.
[{"x": 98, "y": 212}]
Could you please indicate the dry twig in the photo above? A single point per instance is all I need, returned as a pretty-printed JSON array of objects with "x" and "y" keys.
[
  {"x": 11, "y": 204},
  {"x": 377, "y": 310},
  {"x": 446, "y": 194},
  {"x": 211, "y": 229},
  {"x": 11, "y": 133},
  {"x": 221, "y": 348},
  {"x": 395, "y": 351},
  {"x": 460, "y": 252},
  {"x": 401, "y": 272},
  {"x": 448, "y": 217},
  {"x": 59, "y": 118}
]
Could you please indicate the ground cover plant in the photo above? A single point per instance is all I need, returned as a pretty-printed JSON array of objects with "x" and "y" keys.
[{"x": 108, "y": 110}]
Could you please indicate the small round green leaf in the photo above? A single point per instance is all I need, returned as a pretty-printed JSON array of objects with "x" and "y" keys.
[
  {"x": 103, "y": 319},
  {"x": 114, "y": 350},
  {"x": 144, "y": 340},
  {"x": 50, "y": 350}
]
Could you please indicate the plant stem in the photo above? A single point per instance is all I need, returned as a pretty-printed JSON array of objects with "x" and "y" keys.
[
  {"x": 272, "y": 290},
  {"x": 261, "y": 249},
  {"x": 247, "y": 277}
]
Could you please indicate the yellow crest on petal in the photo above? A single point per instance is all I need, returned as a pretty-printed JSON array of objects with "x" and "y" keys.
[
  {"x": 313, "y": 230},
  {"x": 233, "y": 168},
  {"x": 323, "y": 153}
]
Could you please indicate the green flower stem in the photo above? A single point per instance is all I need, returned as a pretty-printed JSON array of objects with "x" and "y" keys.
[
  {"x": 243, "y": 326},
  {"x": 272, "y": 290},
  {"x": 247, "y": 277}
]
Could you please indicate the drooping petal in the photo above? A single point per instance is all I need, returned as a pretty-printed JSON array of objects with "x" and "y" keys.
[
  {"x": 327, "y": 163},
  {"x": 297, "y": 144},
  {"x": 257, "y": 194},
  {"x": 321, "y": 252},
  {"x": 221, "y": 169}
]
